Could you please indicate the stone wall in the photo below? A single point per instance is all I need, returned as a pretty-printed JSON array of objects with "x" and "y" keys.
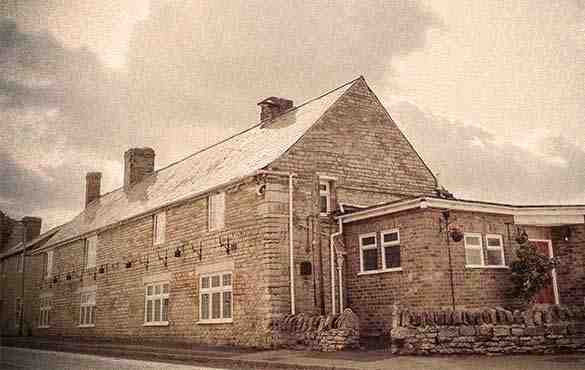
[
  {"x": 358, "y": 146},
  {"x": 318, "y": 333},
  {"x": 120, "y": 290},
  {"x": 547, "y": 329}
]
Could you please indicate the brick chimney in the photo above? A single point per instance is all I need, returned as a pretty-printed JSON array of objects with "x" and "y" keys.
[
  {"x": 32, "y": 227},
  {"x": 138, "y": 163},
  {"x": 273, "y": 107},
  {"x": 93, "y": 181}
]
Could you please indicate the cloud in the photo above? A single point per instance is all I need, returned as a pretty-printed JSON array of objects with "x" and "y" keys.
[
  {"x": 194, "y": 73},
  {"x": 476, "y": 164},
  {"x": 221, "y": 58}
]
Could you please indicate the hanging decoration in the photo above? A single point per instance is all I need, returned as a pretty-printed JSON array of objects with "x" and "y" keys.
[
  {"x": 198, "y": 252},
  {"x": 226, "y": 244}
]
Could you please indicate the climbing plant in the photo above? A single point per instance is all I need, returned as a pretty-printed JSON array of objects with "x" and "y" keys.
[{"x": 530, "y": 272}]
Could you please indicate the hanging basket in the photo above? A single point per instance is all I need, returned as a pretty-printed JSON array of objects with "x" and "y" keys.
[{"x": 456, "y": 235}]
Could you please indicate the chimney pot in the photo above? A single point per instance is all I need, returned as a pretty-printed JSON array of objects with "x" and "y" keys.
[
  {"x": 93, "y": 182},
  {"x": 138, "y": 163},
  {"x": 273, "y": 107},
  {"x": 32, "y": 227}
]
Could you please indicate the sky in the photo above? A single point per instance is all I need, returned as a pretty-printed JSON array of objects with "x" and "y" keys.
[{"x": 490, "y": 93}]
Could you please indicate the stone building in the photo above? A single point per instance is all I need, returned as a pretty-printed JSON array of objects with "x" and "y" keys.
[
  {"x": 15, "y": 238},
  {"x": 216, "y": 247}
]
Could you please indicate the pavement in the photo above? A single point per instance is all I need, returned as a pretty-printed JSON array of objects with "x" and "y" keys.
[{"x": 173, "y": 356}]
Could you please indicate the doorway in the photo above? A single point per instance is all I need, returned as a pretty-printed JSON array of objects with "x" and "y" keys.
[{"x": 550, "y": 293}]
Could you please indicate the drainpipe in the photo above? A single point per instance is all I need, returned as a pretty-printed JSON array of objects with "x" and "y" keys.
[
  {"x": 290, "y": 233},
  {"x": 21, "y": 329},
  {"x": 332, "y": 261}
]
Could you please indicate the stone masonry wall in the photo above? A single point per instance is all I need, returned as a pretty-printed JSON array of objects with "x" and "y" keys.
[
  {"x": 318, "y": 333},
  {"x": 489, "y": 331},
  {"x": 120, "y": 289},
  {"x": 357, "y": 145}
]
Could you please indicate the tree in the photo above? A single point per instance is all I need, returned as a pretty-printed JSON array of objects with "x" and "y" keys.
[{"x": 531, "y": 272}]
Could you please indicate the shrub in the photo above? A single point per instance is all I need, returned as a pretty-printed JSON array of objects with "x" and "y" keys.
[{"x": 530, "y": 272}]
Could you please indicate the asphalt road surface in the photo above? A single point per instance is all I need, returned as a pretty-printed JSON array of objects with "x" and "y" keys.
[{"x": 22, "y": 358}]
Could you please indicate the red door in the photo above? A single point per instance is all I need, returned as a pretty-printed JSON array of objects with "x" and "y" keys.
[{"x": 546, "y": 294}]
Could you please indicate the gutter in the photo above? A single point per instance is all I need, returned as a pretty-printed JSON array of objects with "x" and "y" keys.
[
  {"x": 290, "y": 232},
  {"x": 150, "y": 212}
]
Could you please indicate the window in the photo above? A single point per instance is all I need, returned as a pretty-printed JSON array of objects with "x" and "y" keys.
[
  {"x": 390, "y": 249},
  {"x": 87, "y": 309},
  {"x": 17, "y": 312},
  {"x": 215, "y": 298},
  {"x": 48, "y": 264},
  {"x": 324, "y": 197},
  {"x": 216, "y": 211},
  {"x": 368, "y": 252},
  {"x": 494, "y": 250},
  {"x": 89, "y": 252},
  {"x": 160, "y": 227},
  {"x": 19, "y": 262},
  {"x": 45, "y": 308},
  {"x": 156, "y": 305},
  {"x": 473, "y": 250}
]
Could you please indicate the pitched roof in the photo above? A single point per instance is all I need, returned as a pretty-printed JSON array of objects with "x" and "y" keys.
[
  {"x": 229, "y": 160},
  {"x": 31, "y": 243}
]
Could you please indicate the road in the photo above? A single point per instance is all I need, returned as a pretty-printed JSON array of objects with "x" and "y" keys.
[
  {"x": 24, "y": 358},
  {"x": 20, "y": 358}
]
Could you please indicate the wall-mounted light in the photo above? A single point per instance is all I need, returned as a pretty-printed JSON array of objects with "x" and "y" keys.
[{"x": 566, "y": 233}]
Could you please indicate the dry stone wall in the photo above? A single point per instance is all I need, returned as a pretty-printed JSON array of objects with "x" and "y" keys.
[
  {"x": 548, "y": 329},
  {"x": 318, "y": 333}
]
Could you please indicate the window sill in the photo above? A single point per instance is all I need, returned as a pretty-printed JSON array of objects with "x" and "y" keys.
[
  {"x": 158, "y": 323},
  {"x": 486, "y": 267},
  {"x": 215, "y": 321},
  {"x": 43, "y": 327},
  {"x": 86, "y": 326},
  {"x": 374, "y": 272}
]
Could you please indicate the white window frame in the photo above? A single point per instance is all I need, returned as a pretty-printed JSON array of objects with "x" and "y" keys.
[
  {"x": 90, "y": 252},
  {"x": 159, "y": 228},
  {"x": 500, "y": 248},
  {"x": 474, "y": 247},
  {"x": 390, "y": 244},
  {"x": 325, "y": 193},
  {"x": 162, "y": 296},
  {"x": 45, "y": 307},
  {"x": 18, "y": 311},
  {"x": 367, "y": 247},
  {"x": 216, "y": 223},
  {"x": 209, "y": 291},
  {"x": 87, "y": 305}
]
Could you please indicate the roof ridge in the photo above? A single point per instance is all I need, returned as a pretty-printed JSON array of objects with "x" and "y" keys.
[{"x": 261, "y": 123}]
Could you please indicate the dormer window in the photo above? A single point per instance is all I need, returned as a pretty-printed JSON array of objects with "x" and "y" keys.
[
  {"x": 324, "y": 197},
  {"x": 89, "y": 252},
  {"x": 160, "y": 228},
  {"x": 216, "y": 211}
]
